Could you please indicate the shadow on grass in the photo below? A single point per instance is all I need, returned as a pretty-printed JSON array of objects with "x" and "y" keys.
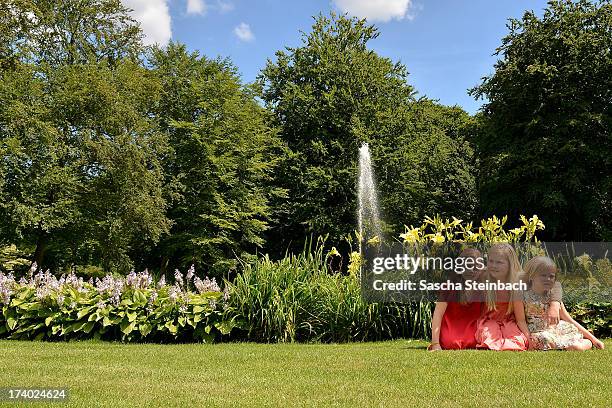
[{"x": 414, "y": 347}]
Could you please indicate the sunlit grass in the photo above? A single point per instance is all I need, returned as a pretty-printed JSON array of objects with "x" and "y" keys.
[{"x": 397, "y": 373}]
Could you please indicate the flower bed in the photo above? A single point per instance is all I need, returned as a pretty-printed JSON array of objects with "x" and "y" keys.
[{"x": 130, "y": 308}]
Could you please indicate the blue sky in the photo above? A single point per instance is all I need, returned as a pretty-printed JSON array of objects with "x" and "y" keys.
[{"x": 447, "y": 45}]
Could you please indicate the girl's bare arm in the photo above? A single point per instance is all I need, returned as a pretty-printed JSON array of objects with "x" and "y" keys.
[
  {"x": 519, "y": 315},
  {"x": 556, "y": 295}
]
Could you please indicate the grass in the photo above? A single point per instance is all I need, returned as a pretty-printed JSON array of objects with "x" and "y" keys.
[{"x": 396, "y": 373}]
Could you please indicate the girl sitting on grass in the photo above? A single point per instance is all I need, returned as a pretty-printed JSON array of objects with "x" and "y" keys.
[
  {"x": 502, "y": 325},
  {"x": 454, "y": 319},
  {"x": 567, "y": 334}
]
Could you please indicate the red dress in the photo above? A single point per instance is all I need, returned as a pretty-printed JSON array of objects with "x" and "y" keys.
[{"x": 459, "y": 324}]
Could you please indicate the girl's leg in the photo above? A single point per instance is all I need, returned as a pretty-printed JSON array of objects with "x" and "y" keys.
[{"x": 581, "y": 345}]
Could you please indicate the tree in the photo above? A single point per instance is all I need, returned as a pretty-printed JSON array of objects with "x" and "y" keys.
[
  {"x": 426, "y": 164},
  {"x": 222, "y": 157},
  {"x": 38, "y": 192},
  {"x": 68, "y": 32},
  {"x": 330, "y": 95},
  {"x": 122, "y": 203},
  {"x": 545, "y": 142},
  {"x": 81, "y": 169}
]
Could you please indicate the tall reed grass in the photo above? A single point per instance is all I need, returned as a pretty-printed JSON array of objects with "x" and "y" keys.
[{"x": 299, "y": 298}]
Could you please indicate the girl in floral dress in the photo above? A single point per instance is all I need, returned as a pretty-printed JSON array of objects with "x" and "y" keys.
[{"x": 565, "y": 335}]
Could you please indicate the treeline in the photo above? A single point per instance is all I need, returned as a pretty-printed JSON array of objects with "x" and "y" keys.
[{"x": 118, "y": 156}]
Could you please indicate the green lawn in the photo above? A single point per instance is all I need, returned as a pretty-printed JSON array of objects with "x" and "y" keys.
[{"x": 398, "y": 373}]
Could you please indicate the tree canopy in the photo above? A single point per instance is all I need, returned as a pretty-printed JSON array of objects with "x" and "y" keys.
[
  {"x": 330, "y": 95},
  {"x": 223, "y": 155},
  {"x": 81, "y": 154},
  {"x": 114, "y": 155},
  {"x": 547, "y": 126}
]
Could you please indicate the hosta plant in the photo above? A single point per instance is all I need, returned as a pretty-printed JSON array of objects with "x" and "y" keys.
[{"x": 131, "y": 308}]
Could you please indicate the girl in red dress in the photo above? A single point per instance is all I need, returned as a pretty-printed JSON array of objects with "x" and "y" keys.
[{"x": 455, "y": 316}]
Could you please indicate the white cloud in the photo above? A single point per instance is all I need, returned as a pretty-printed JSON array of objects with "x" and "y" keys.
[
  {"x": 224, "y": 6},
  {"x": 196, "y": 7},
  {"x": 154, "y": 19},
  {"x": 376, "y": 10},
  {"x": 243, "y": 32}
]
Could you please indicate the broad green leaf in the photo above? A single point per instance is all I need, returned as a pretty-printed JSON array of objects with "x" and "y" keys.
[
  {"x": 84, "y": 312},
  {"x": 11, "y": 323},
  {"x": 88, "y": 327},
  {"x": 106, "y": 321},
  {"x": 225, "y": 327},
  {"x": 145, "y": 329},
  {"x": 171, "y": 327},
  {"x": 127, "y": 328}
]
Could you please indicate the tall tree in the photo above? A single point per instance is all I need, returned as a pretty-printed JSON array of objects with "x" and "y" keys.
[
  {"x": 40, "y": 183},
  {"x": 221, "y": 161},
  {"x": 546, "y": 139},
  {"x": 69, "y": 32},
  {"x": 328, "y": 96},
  {"x": 80, "y": 152},
  {"x": 426, "y": 164}
]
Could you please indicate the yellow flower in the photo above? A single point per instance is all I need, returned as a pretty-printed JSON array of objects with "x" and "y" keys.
[
  {"x": 438, "y": 238},
  {"x": 516, "y": 231},
  {"x": 375, "y": 240},
  {"x": 537, "y": 222},
  {"x": 455, "y": 222},
  {"x": 355, "y": 261},
  {"x": 411, "y": 236},
  {"x": 333, "y": 252},
  {"x": 471, "y": 236}
]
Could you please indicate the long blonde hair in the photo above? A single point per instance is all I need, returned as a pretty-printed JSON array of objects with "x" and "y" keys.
[{"x": 514, "y": 273}]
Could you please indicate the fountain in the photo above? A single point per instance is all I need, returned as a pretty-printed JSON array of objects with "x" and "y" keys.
[{"x": 368, "y": 213}]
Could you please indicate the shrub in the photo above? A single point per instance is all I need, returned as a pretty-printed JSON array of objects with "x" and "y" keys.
[
  {"x": 297, "y": 298},
  {"x": 12, "y": 259},
  {"x": 596, "y": 317},
  {"x": 113, "y": 308}
]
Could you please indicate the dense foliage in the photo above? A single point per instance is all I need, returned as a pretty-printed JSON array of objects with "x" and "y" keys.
[
  {"x": 222, "y": 156},
  {"x": 330, "y": 95},
  {"x": 300, "y": 298},
  {"x": 547, "y": 123},
  {"x": 116, "y": 156},
  {"x": 81, "y": 170},
  {"x": 112, "y": 162}
]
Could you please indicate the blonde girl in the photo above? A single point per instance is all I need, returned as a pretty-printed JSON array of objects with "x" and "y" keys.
[
  {"x": 502, "y": 324},
  {"x": 567, "y": 334}
]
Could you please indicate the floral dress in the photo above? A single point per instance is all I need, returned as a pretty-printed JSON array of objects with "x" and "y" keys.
[{"x": 543, "y": 337}]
